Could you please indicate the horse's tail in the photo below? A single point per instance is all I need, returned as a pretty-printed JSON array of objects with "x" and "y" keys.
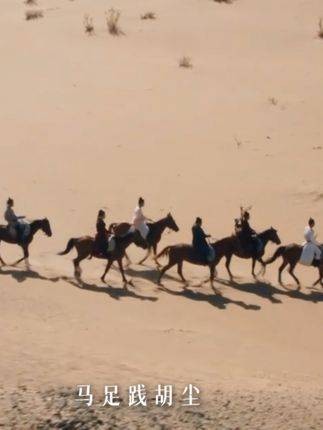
[
  {"x": 278, "y": 253},
  {"x": 164, "y": 252},
  {"x": 70, "y": 245}
]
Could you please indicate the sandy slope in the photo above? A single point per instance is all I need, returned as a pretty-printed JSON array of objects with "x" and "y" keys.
[{"x": 90, "y": 122}]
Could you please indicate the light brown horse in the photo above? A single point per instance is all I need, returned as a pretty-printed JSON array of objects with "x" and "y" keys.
[
  {"x": 226, "y": 247},
  {"x": 35, "y": 226},
  {"x": 291, "y": 255},
  {"x": 84, "y": 247},
  {"x": 156, "y": 229}
]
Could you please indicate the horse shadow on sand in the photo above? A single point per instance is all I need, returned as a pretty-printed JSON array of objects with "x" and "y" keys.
[
  {"x": 115, "y": 293},
  {"x": 21, "y": 275},
  {"x": 216, "y": 300},
  {"x": 268, "y": 291},
  {"x": 149, "y": 274}
]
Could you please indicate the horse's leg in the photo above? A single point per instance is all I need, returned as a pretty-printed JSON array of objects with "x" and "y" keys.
[
  {"x": 25, "y": 257},
  {"x": 170, "y": 264},
  {"x": 77, "y": 268},
  {"x": 281, "y": 268},
  {"x": 227, "y": 265},
  {"x": 128, "y": 259},
  {"x": 180, "y": 271},
  {"x": 253, "y": 268},
  {"x": 291, "y": 272},
  {"x": 125, "y": 281},
  {"x": 146, "y": 256},
  {"x": 155, "y": 255},
  {"x": 320, "y": 276},
  {"x": 109, "y": 264},
  {"x": 2, "y": 262},
  {"x": 262, "y": 271},
  {"x": 213, "y": 274}
]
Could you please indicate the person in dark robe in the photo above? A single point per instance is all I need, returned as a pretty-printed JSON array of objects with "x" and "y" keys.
[
  {"x": 199, "y": 243},
  {"x": 248, "y": 237},
  {"x": 101, "y": 238}
]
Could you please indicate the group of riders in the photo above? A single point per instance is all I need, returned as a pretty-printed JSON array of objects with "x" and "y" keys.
[{"x": 105, "y": 239}]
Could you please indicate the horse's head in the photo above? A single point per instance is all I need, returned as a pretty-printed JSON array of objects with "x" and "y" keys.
[
  {"x": 45, "y": 226},
  {"x": 170, "y": 222},
  {"x": 273, "y": 236}
]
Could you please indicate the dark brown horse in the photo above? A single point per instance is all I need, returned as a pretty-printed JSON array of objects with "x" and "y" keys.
[
  {"x": 177, "y": 254},
  {"x": 231, "y": 245},
  {"x": 35, "y": 226},
  {"x": 156, "y": 229},
  {"x": 291, "y": 255},
  {"x": 226, "y": 247},
  {"x": 84, "y": 248}
]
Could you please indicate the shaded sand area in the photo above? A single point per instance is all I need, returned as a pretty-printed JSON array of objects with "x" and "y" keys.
[{"x": 95, "y": 121}]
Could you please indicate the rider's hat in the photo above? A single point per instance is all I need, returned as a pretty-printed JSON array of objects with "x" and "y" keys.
[
  {"x": 101, "y": 213},
  {"x": 198, "y": 220},
  {"x": 9, "y": 201},
  {"x": 311, "y": 221}
]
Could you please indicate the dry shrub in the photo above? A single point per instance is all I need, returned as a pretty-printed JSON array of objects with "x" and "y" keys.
[
  {"x": 223, "y": 1},
  {"x": 112, "y": 19},
  {"x": 88, "y": 25},
  {"x": 148, "y": 15},
  {"x": 185, "y": 62},
  {"x": 273, "y": 101},
  {"x": 31, "y": 2},
  {"x": 33, "y": 14},
  {"x": 320, "y": 30}
]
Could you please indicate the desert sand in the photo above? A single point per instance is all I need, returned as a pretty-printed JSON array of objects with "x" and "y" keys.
[{"x": 94, "y": 121}]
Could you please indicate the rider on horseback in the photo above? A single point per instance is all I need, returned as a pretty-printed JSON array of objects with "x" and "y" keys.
[
  {"x": 15, "y": 222},
  {"x": 311, "y": 246},
  {"x": 200, "y": 245},
  {"x": 247, "y": 236},
  {"x": 139, "y": 221},
  {"x": 101, "y": 238}
]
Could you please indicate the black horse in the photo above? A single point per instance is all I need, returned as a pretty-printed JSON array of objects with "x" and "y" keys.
[{"x": 35, "y": 226}]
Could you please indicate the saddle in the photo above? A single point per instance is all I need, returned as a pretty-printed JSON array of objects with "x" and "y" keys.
[{"x": 251, "y": 245}]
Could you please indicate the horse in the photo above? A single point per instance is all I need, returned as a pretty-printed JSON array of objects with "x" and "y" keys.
[
  {"x": 226, "y": 247},
  {"x": 231, "y": 245},
  {"x": 35, "y": 226},
  {"x": 156, "y": 229},
  {"x": 179, "y": 253},
  {"x": 291, "y": 255},
  {"x": 85, "y": 245}
]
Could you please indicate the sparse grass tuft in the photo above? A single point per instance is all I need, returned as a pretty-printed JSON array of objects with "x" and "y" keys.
[
  {"x": 320, "y": 30},
  {"x": 148, "y": 15},
  {"x": 273, "y": 101},
  {"x": 33, "y": 14},
  {"x": 88, "y": 25},
  {"x": 223, "y": 1},
  {"x": 185, "y": 62},
  {"x": 112, "y": 19}
]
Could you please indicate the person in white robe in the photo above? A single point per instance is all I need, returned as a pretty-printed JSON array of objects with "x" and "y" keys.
[
  {"x": 311, "y": 248},
  {"x": 139, "y": 221}
]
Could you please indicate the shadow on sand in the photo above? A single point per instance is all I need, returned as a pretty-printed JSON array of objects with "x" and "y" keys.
[
  {"x": 150, "y": 274},
  {"x": 21, "y": 275},
  {"x": 113, "y": 292},
  {"x": 267, "y": 291},
  {"x": 216, "y": 300}
]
